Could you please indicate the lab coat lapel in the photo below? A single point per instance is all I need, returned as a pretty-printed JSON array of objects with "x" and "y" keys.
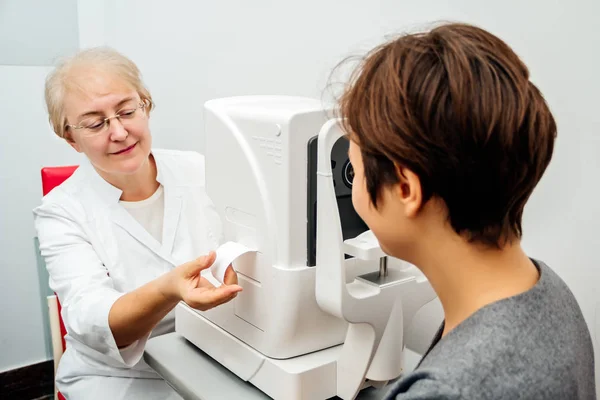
[
  {"x": 110, "y": 195},
  {"x": 173, "y": 204},
  {"x": 121, "y": 217},
  {"x": 171, "y": 219}
]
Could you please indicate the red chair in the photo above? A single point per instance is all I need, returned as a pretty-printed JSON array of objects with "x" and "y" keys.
[{"x": 51, "y": 178}]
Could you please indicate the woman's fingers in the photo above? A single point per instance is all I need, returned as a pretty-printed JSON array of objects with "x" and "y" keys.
[
  {"x": 206, "y": 298},
  {"x": 230, "y": 276},
  {"x": 194, "y": 267},
  {"x": 225, "y": 300}
]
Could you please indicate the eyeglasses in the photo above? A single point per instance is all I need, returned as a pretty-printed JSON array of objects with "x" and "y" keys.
[{"x": 95, "y": 125}]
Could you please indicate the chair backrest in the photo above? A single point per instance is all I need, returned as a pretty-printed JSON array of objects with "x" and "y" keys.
[
  {"x": 51, "y": 178},
  {"x": 54, "y": 176}
]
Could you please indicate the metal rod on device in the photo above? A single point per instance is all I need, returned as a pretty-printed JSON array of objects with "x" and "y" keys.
[{"x": 383, "y": 266}]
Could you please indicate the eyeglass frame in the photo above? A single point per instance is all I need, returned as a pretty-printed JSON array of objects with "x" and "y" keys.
[{"x": 105, "y": 121}]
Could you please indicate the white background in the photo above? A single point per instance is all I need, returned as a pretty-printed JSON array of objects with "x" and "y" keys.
[
  {"x": 192, "y": 51},
  {"x": 29, "y": 37}
]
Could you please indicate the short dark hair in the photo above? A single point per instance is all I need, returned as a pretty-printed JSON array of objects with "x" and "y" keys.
[{"x": 455, "y": 106}]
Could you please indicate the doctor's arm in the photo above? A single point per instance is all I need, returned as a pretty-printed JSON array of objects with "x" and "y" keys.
[
  {"x": 136, "y": 313},
  {"x": 99, "y": 318}
]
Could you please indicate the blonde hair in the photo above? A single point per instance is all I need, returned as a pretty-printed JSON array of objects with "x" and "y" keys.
[{"x": 105, "y": 59}]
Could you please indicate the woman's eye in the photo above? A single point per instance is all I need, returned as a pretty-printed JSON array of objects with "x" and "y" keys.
[
  {"x": 96, "y": 125},
  {"x": 127, "y": 113}
]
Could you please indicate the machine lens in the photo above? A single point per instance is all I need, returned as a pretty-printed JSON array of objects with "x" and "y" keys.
[{"x": 348, "y": 174}]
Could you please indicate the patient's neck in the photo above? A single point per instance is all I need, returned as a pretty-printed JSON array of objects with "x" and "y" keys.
[{"x": 467, "y": 277}]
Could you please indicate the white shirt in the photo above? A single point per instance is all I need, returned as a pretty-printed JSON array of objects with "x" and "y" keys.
[
  {"x": 149, "y": 212},
  {"x": 96, "y": 251}
]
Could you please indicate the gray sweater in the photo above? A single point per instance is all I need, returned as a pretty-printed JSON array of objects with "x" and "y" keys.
[{"x": 535, "y": 345}]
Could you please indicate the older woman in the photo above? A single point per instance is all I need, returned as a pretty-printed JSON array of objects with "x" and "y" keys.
[{"x": 127, "y": 236}]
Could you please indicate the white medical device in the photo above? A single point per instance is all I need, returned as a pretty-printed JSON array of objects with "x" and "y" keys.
[{"x": 324, "y": 311}]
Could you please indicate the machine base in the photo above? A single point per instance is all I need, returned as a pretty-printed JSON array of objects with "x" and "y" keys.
[{"x": 311, "y": 376}]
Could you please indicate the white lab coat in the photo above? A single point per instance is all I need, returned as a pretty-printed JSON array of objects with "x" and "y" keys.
[{"x": 95, "y": 252}]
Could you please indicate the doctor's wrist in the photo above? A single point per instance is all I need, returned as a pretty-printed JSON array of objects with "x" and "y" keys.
[{"x": 168, "y": 288}]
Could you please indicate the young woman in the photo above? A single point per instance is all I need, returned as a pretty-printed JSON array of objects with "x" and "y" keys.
[{"x": 449, "y": 138}]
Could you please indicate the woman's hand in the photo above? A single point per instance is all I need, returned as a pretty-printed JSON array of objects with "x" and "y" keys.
[
  {"x": 188, "y": 285},
  {"x": 136, "y": 313}
]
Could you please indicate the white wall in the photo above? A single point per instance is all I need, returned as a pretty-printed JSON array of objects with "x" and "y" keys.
[
  {"x": 28, "y": 144},
  {"x": 192, "y": 51},
  {"x": 28, "y": 37}
]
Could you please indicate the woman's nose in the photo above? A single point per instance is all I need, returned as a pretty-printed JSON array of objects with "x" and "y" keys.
[{"x": 117, "y": 130}]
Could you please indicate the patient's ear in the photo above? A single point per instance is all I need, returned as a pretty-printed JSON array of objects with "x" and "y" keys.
[{"x": 409, "y": 191}]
